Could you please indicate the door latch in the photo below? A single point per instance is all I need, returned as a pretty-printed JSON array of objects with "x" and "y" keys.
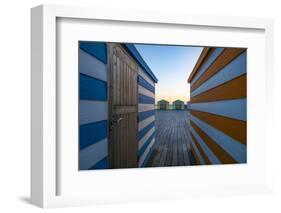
[{"x": 114, "y": 121}]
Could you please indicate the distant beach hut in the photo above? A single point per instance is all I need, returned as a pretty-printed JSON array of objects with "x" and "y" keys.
[
  {"x": 178, "y": 105},
  {"x": 163, "y": 105}
]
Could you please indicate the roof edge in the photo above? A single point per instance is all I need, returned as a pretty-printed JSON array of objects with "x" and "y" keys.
[
  {"x": 198, "y": 64},
  {"x": 137, "y": 56}
]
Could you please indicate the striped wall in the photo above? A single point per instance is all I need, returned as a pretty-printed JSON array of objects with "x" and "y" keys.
[
  {"x": 93, "y": 106},
  {"x": 146, "y": 116},
  {"x": 218, "y": 103}
]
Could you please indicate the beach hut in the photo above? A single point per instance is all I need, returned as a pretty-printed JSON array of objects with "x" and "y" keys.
[
  {"x": 116, "y": 106},
  {"x": 218, "y": 106},
  {"x": 163, "y": 105},
  {"x": 178, "y": 105}
]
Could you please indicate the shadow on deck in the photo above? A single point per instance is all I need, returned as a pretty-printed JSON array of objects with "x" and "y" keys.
[{"x": 172, "y": 146}]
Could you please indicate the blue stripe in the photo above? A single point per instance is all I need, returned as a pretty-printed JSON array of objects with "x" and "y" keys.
[
  {"x": 135, "y": 54},
  {"x": 236, "y": 108},
  {"x": 146, "y": 114},
  {"x": 211, "y": 156},
  {"x": 143, "y": 99},
  {"x": 148, "y": 155},
  {"x": 234, "y": 148},
  {"x": 210, "y": 60},
  {"x": 234, "y": 69},
  {"x": 102, "y": 164},
  {"x": 96, "y": 49},
  {"x": 145, "y": 84},
  {"x": 91, "y": 155},
  {"x": 143, "y": 148},
  {"x": 92, "y": 133},
  {"x": 92, "y": 89},
  {"x": 145, "y": 130}
]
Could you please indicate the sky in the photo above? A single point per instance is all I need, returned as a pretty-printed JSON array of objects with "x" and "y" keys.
[{"x": 172, "y": 66}]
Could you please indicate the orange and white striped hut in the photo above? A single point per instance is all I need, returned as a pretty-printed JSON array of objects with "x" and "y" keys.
[{"x": 218, "y": 120}]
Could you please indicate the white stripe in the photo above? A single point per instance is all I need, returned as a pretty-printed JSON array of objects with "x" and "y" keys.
[
  {"x": 146, "y": 122},
  {"x": 211, "y": 156},
  {"x": 92, "y": 111},
  {"x": 197, "y": 151},
  {"x": 145, "y": 138},
  {"x": 205, "y": 65},
  {"x": 146, "y": 107},
  {"x": 234, "y": 69},
  {"x": 148, "y": 148},
  {"x": 91, "y": 66},
  {"x": 146, "y": 92},
  {"x": 91, "y": 155},
  {"x": 145, "y": 76},
  {"x": 237, "y": 150},
  {"x": 236, "y": 108}
]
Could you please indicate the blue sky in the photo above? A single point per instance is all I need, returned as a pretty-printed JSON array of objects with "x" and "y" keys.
[{"x": 172, "y": 66}]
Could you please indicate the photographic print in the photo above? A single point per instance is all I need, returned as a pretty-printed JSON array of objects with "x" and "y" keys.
[{"x": 154, "y": 105}]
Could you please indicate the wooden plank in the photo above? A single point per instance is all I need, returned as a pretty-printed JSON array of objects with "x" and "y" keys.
[
  {"x": 185, "y": 154},
  {"x": 163, "y": 157},
  {"x": 171, "y": 138},
  {"x": 111, "y": 69},
  {"x": 175, "y": 154},
  {"x": 124, "y": 109}
]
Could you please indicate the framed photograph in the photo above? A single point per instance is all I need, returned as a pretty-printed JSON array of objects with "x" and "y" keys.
[{"x": 130, "y": 106}]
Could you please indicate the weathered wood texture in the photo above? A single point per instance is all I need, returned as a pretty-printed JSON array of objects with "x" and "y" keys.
[
  {"x": 123, "y": 109},
  {"x": 172, "y": 139}
]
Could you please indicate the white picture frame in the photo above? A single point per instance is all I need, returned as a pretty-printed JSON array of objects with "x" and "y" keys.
[{"x": 45, "y": 174}]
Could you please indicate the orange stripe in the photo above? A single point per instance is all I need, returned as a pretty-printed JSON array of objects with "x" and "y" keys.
[
  {"x": 223, "y": 59},
  {"x": 234, "y": 89},
  {"x": 234, "y": 128},
  {"x": 221, "y": 154},
  {"x": 206, "y": 159}
]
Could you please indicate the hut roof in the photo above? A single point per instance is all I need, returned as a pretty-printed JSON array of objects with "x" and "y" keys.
[
  {"x": 178, "y": 101},
  {"x": 137, "y": 56},
  {"x": 162, "y": 101}
]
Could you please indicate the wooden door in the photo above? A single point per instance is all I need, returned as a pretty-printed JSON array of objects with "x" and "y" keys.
[{"x": 123, "y": 108}]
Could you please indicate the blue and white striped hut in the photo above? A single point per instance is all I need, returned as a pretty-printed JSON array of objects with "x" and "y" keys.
[{"x": 116, "y": 106}]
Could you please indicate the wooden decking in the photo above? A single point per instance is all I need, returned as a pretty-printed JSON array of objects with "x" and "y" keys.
[{"x": 172, "y": 142}]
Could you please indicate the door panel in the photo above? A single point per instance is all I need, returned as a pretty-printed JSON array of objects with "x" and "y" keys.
[{"x": 123, "y": 109}]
